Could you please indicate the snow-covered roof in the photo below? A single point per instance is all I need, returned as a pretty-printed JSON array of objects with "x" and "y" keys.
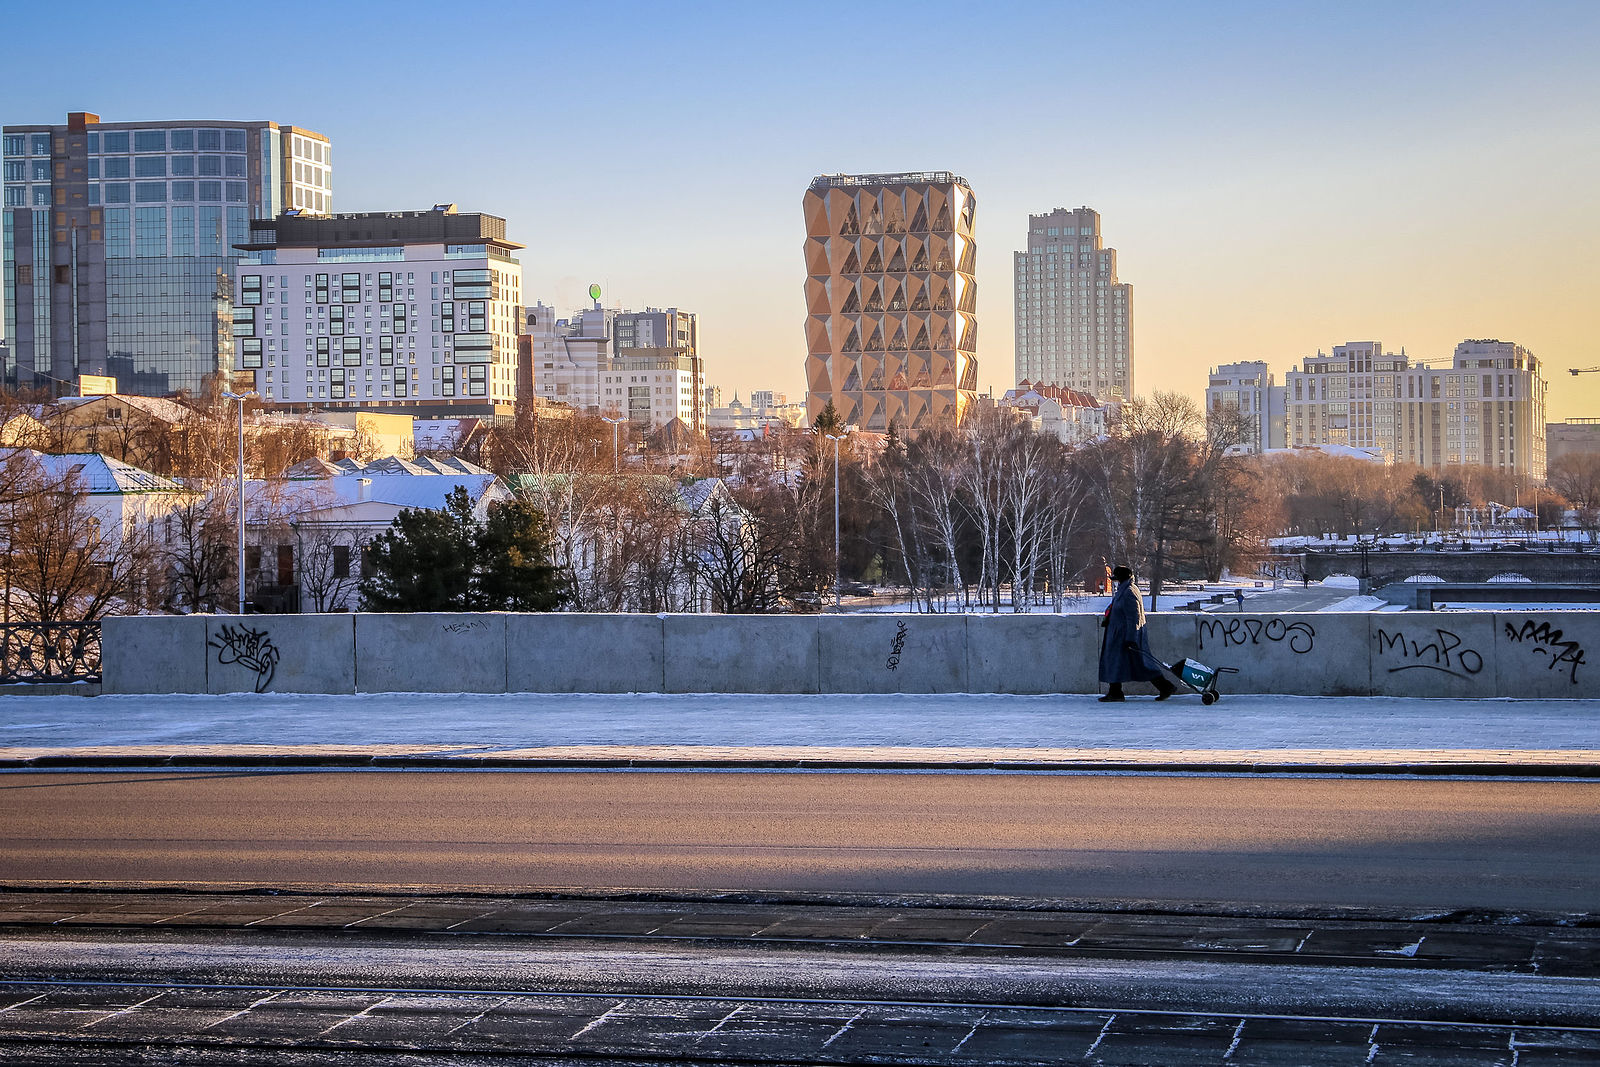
[
  {"x": 407, "y": 490},
  {"x": 312, "y": 468},
  {"x": 449, "y": 465},
  {"x": 155, "y": 406},
  {"x": 393, "y": 465},
  {"x": 698, "y": 494},
  {"x": 99, "y": 473},
  {"x": 1371, "y": 455}
]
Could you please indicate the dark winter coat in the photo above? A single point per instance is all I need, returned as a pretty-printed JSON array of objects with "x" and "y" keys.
[{"x": 1117, "y": 663}]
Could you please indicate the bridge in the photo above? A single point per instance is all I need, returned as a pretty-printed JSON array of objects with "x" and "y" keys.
[{"x": 1456, "y": 563}]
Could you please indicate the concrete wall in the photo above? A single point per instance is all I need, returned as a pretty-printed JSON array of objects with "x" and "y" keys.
[{"x": 1433, "y": 654}]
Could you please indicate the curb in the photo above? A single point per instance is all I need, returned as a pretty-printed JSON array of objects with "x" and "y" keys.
[{"x": 503, "y": 763}]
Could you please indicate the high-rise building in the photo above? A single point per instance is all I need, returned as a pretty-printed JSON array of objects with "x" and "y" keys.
[
  {"x": 414, "y": 312},
  {"x": 1486, "y": 408},
  {"x": 1249, "y": 390},
  {"x": 655, "y": 328},
  {"x": 891, "y": 302},
  {"x": 119, "y": 242},
  {"x": 1073, "y": 317},
  {"x": 603, "y": 361}
]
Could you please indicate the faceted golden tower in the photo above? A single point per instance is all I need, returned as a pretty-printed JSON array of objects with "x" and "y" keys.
[{"x": 891, "y": 303}]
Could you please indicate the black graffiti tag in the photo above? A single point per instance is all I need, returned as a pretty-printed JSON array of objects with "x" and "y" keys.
[
  {"x": 897, "y": 647},
  {"x": 1442, "y": 653},
  {"x": 249, "y": 648},
  {"x": 1244, "y": 631},
  {"x": 464, "y": 627},
  {"x": 1548, "y": 641}
]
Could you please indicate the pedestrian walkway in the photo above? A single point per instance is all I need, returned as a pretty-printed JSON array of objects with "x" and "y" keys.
[{"x": 949, "y": 730}]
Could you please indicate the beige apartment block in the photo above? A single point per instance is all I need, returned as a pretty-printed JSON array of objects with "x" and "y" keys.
[
  {"x": 1073, "y": 317},
  {"x": 891, "y": 302},
  {"x": 1487, "y": 407}
]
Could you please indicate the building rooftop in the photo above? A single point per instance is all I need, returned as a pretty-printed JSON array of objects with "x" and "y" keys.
[
  {"x": 98, "y": 473},
  {"x": 442, "y": 225},
  {"x": 915, "y": 177}
]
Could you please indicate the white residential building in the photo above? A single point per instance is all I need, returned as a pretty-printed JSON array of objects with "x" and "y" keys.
[
  {"x": 308, "y": 533},
  {"x": 1248, "y": 388},
  {"x": 1071, "y": 416},
  {"x": 412, "y": 312},
  {"x": 593, "y": 363},
  {"x": 122, "y": 500},
  {"x": 568, "y": 354}
]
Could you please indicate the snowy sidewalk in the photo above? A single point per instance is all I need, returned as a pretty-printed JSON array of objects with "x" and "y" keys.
[{"x": 1249, "y": 731}]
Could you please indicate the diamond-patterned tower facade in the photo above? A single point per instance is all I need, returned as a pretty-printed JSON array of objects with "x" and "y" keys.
[{"x": 891, "y": 302}]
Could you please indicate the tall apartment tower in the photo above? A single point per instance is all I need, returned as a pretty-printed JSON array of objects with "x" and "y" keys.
[
  {"x": 412, "y": 312},
  {"x": 119, "y": 242},
  {"x": 891, "y": 302},
  {"x": 1486, "y": 408},
  {"x": 1073, "y": 318}
]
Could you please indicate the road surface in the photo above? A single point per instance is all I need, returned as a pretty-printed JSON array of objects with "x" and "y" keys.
[{"x": 1494, "y": 844}]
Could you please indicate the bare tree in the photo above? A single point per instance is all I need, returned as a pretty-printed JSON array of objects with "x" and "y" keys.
[
  {"x": 198, "y": 553},
  {"x": 328, "y": 563},
  {"x": 63, "y": 564}
]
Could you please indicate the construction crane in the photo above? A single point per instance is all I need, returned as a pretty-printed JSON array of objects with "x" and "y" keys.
[{"x": 1575, "y": 371}]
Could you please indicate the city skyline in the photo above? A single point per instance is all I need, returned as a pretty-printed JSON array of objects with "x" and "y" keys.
[{"x": 1279, "y": 181}]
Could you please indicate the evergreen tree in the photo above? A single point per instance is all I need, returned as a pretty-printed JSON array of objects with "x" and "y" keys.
[
  {"x": 828, "y": 420},
  {"x": 424, "y": 561},
  {"x": 512, "y": 569},
  {"x": 447, "y": 561}
]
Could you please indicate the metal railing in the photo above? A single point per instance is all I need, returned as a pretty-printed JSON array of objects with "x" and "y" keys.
[{"x": 49, "y": 652}]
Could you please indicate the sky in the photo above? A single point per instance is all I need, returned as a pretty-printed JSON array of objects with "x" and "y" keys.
[{"x": 1277, "y": 178}]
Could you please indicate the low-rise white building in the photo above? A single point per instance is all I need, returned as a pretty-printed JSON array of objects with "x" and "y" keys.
[
  {"x": 123, "y": 501},
  {"x": 1071, "y": 416},
  {"x": 307, "y": 533}
]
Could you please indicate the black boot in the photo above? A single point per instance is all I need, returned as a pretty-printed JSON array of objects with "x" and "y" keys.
[
  {"x": 1164, "y": 688},
  {"x": 1114, "y": 693}
]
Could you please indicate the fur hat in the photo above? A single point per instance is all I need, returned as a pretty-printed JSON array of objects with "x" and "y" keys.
[{"x": 1120, "y": 574}]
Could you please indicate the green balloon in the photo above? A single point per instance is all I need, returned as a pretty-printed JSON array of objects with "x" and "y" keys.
[{"x": 594, "y": 291}]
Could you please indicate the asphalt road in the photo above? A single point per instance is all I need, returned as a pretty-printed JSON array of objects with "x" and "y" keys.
[{"x": 1425, "y": 844}]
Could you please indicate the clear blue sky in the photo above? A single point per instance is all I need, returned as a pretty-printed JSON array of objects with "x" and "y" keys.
[{"x": 1276, "y": 177}]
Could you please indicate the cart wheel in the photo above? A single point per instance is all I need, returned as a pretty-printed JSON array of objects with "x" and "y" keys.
[{"x": 1209, "y": 698}]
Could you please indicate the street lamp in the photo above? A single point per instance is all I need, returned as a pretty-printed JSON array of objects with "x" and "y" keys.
[
  {"x": 615, "y": 455},
  {"x": 835, "y": 439},
  {"x": 241, "y": 398}
]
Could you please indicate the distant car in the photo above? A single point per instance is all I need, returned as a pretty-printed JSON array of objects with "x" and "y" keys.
[{"x": 856, "y": 589}]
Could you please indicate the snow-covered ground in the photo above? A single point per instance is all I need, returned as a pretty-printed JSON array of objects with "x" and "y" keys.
[{"x": 1380, "y": 728}]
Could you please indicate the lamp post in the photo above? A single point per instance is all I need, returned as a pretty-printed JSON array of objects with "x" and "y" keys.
[
  {"x": 241, "y": 398},
  {"x": 615, "y": 454},
  {"x": 835, "y": 438}
]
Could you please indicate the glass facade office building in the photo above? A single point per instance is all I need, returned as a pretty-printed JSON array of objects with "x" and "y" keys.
[{"x": 119, "y": 243}]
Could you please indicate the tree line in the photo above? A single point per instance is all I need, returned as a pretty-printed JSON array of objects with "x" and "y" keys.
[{"x": 988, "y": 515}]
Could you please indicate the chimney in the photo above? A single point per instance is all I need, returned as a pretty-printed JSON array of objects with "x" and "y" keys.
[{"x": 365, "y": 490}]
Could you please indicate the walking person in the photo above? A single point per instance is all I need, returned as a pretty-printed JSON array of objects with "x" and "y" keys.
[{"x": 1125, "y": 654}]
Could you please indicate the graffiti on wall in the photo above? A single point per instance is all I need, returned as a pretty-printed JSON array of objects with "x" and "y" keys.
[
  {"x": 1542, "y": 639},
  {"x": 251, "y": 649},
  {"x": 464, "y": 627},
  {"x": 897, "y": 647},
  {"x": 1298, "y": 637},
  {"x": 1437, "y": 650}
]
